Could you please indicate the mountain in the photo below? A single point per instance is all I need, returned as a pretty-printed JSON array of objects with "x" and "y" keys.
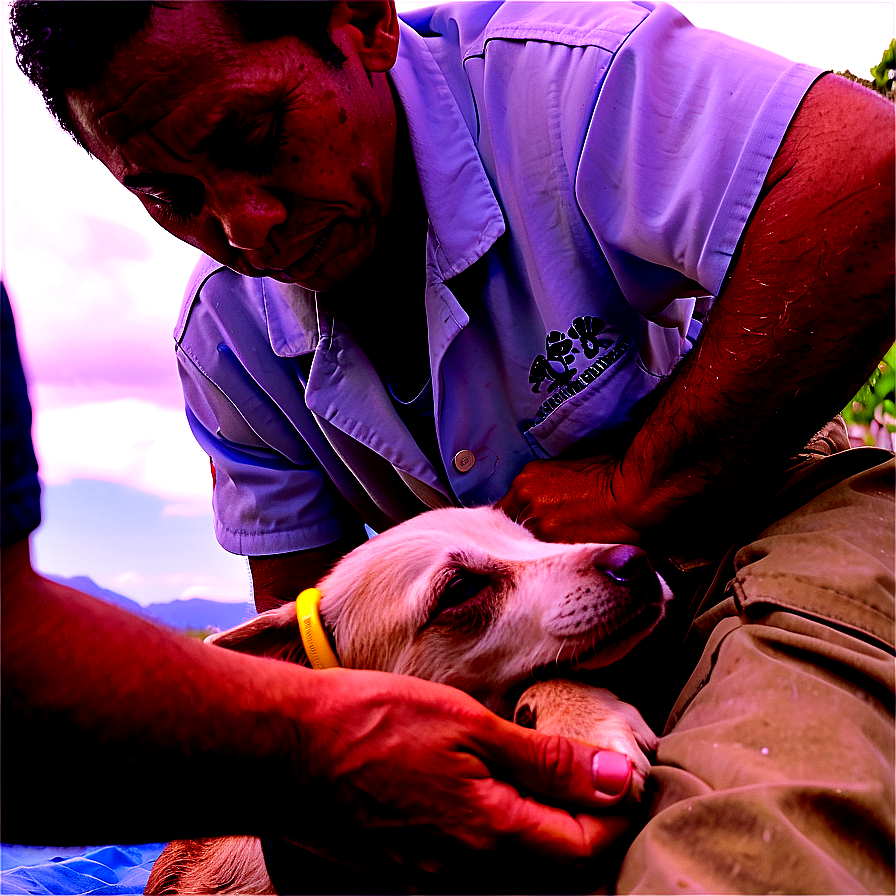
[
  {"x": 88, "y": 586},
  {"x": 200, "y": 613},
  {"x": 196, "y": 612}
]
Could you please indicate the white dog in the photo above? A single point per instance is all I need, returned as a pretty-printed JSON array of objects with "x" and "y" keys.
[{"x": 468, "y": 598}]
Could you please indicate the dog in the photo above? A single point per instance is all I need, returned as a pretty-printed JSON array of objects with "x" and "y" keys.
[{"x": 469, "y": 598}]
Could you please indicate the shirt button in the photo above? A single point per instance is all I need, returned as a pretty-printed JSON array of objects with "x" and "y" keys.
[{"x": 464, "y": 460}]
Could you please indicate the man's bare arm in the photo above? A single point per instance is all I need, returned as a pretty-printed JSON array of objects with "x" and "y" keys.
[
  {"x": 278, "y": 578},
  {"x": 805, "y": 316},
  {"x": 96, "y": 700}
]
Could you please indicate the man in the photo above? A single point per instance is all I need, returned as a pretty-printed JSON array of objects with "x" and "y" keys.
[{"x": 579, "y": 180}]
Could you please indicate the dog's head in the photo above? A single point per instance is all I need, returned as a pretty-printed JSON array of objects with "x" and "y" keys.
[{"x": 471, "y": 599}]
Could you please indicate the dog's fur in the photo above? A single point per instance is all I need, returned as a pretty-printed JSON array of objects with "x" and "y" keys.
[{"x": 471, "y": 599}]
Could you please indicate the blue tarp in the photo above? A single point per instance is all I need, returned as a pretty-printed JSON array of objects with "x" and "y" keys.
[{"x": 120, "y": 870}]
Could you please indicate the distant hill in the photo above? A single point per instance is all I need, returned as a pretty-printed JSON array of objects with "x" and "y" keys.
[
  {"x": 194, "y": 613},
  {"x": 200, "y": 613}
]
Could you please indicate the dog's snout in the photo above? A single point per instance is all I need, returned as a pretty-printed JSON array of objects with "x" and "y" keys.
[{"x": 624, "y": 562}]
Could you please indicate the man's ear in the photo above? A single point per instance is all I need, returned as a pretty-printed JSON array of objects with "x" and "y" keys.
[
  {"x": 274, "y": 633},
  {"x": 373, "y": 28}
]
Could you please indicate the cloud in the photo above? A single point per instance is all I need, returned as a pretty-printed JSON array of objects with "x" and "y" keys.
[
  {"x": 96, "y": 287},
  {"x": 129, "y": 579},
  {"x": 215, "y": 592},
  {"x": 126, "y": 441},
  {"x": 209, "y": 587},
  {"x": 103, "y": 327}
]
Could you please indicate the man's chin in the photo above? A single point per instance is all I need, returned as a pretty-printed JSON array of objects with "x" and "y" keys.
[
  {"x": 335, "y": 270},
  {"x": 326, "y": 278}
]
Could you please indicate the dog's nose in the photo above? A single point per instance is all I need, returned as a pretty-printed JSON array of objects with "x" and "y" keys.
[{"x": 623, "y": 562}]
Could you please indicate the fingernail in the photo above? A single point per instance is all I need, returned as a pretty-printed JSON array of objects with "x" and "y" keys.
[{"x": 611, "y": 772}]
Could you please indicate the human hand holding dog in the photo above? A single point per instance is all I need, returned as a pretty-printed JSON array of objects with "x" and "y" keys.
[
  {"x": 408, "y": 759},
  {"x": 577, "y": 500}
]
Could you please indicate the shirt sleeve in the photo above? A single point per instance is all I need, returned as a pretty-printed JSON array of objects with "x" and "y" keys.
[
  {"x": 685, "y": 128},
  {"x": 264, "y": 502},
  {"x": 271, "y": 494}
]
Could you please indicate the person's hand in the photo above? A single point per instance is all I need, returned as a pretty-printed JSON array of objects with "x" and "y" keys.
[
  {"x": 570, "y": 501},
  {"x": 405, "y": 759}
]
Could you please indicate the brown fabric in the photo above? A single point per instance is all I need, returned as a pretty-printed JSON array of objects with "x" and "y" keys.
[
  {"x": 775, "y": 773},
  {"x": 830, "y": 439}
]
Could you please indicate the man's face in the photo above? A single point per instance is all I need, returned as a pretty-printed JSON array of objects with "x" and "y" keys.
[{"x": 264, "y": 156}]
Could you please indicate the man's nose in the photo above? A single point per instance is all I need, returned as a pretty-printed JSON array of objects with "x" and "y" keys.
[{"x": 247, "y": 211}]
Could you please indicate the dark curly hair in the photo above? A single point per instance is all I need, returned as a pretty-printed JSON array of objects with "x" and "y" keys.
[{"x": 63, "y": 45}]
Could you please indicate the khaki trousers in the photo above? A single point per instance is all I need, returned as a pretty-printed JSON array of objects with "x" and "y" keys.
[{"x": 775, "y": 770}]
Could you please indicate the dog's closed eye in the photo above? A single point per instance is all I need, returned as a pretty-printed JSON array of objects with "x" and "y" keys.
[{"x": 465, "y": 599}]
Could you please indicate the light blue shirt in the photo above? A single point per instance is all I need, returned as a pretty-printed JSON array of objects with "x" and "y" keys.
[{"x": 599, "y": 163}]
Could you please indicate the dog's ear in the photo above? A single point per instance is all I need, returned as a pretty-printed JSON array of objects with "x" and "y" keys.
[{"x": 274, "y": 633}]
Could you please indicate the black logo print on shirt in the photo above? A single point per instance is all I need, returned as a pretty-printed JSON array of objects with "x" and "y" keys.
[{"x": 556, "y": 366}]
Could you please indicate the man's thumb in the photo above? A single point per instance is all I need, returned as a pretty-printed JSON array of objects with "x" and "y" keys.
[{"x": 566, "y": 770}]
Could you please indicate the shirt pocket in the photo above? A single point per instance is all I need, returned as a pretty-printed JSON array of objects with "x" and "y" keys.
[{"x": 598, "y": 400}]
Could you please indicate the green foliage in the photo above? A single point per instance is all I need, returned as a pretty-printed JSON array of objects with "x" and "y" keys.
[
  {"x": 883, "y": 73},
  {"x": 199, "y": 633},
  {"x": 874, "y": 406},
  {"x": 872, "y": 413}
]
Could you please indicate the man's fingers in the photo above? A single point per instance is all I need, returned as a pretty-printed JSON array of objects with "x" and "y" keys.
[
  {"x": 569, "y": 501},
  {"x": 565, "y": 770},
  {"x": 552, "y": 832}
]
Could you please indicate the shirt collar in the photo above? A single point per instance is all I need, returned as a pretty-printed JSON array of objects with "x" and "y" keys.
[{"x": 292, "y": 318}]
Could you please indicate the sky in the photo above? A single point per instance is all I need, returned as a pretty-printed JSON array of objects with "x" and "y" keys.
[{"x": 96, "y": 288}]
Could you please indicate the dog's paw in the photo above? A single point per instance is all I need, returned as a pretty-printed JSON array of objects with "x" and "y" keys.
[{"x": 592, "y": 715}]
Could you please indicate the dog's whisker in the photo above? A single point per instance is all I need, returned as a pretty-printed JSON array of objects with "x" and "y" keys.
[{"x": 559, "y": 651}]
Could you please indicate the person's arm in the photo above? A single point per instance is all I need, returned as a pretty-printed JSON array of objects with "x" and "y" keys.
[
  {"x": 161, "y": 736},
  {"x": 805, "y": 316},
  {"x": 278, "y": 578}
]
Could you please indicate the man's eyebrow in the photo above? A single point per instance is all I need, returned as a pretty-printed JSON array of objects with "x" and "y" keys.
[{"x": 139, "y": 108}]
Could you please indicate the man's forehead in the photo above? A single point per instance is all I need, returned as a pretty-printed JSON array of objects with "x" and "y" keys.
[
  {"x": 123, "y": 116},
  {"x": 164, "y": 74},
  {"x": 181, "y": 48}
]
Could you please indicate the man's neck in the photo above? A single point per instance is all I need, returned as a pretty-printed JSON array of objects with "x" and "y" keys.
[{"x": 383, "y": 301}]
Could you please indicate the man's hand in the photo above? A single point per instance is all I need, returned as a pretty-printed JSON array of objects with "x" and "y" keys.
[
  {"x": 407, "y": 759},
  {"x": 569, "y": 501}
]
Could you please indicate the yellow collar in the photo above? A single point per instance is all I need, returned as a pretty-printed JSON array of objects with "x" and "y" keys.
[{"x": 317, "y": 646}]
